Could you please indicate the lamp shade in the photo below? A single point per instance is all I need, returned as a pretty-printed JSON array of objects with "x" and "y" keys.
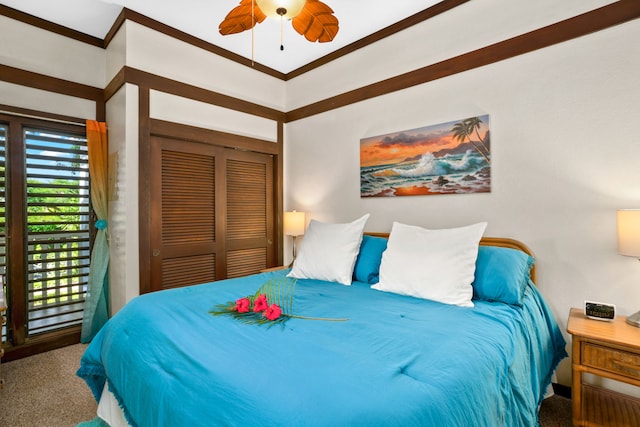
[
  {"x": 629, "y": 232},
  {"x": 291, "y": 8},
  {"x": 294, "y": 223}
]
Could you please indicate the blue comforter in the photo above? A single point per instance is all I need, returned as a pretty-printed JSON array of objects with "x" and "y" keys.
[{"x": 397, "y": 361}]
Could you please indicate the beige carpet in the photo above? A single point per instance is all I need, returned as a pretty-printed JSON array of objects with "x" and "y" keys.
[{"x": 43, "y": 390}]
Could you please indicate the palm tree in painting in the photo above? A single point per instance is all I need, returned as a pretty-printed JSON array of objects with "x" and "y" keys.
[
  {"x": 461, "y": 131},
  {"x": 474, "y": 125}
]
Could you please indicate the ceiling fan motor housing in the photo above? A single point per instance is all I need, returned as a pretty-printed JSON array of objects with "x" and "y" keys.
[{"x": 287, "y": 9}]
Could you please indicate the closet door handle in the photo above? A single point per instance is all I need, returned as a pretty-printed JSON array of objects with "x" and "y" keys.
[{"x": 156, "y": 252}]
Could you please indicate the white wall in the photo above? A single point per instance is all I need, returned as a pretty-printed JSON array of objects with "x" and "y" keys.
[
  {"x": 178, "y": 109},
  {"x": 122, "y": 129},
  {"x": 48, "y": 102},
  {"x": 33, "y": 49},
  {"x": 465, "y": 28},
  {"x": 565, "y": 151},
  {"x": 160, "y": 54}
]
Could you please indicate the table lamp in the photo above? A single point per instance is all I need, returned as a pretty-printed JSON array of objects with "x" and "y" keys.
[
  {"x": 294, "y": 224},
  {"x": 629, "y": 243}
]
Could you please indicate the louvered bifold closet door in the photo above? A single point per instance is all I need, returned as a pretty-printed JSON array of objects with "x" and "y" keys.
[
  {"x": 184, "y": 241},
  {"x": 249, "y": 230}
]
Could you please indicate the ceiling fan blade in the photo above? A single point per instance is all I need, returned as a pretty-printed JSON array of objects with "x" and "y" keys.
[
  {"x": 316, "y": 22},
  {"x": 240, "y": 19}
]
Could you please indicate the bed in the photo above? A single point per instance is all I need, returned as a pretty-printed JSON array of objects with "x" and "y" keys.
[{"x": 379, "y": 357}]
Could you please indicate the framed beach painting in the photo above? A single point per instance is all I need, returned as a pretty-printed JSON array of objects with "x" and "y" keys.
[{"x": 448, "y": 158}]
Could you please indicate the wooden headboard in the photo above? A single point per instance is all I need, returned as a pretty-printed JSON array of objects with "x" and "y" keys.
[{"x": 502, "y": 242}]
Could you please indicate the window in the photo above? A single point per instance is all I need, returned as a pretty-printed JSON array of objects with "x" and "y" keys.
[
  {"x": 57, "y": 228},
  {"x": 45, "y": 240}
]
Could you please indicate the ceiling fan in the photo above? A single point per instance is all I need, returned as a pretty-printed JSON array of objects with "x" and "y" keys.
[{"x": 310, "y": 18}]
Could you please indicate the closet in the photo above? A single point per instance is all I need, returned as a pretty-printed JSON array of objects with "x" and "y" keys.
[{"x": 211, "y": 209}]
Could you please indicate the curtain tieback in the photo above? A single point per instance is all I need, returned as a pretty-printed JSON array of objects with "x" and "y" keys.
[{"x": 101, "y": 224}]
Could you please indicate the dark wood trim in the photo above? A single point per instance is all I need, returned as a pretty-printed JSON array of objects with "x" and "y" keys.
[
  {"x": 593, "y": 21},
  {"x": 587, "y": 23},
  {"x": 40, "y": 115},
  {"x": 42, "y": 121},
  {"x": 41, "y": 344},
  {"x": 138, "y": 18},
  {"x": 131, "y": 15},
  {"x": 196, "y": 134},
  {"x": 174, "y": 87},
  {"x": 16, "y": 213},
  {"x": 50, "y": 26},
  {"x": 50, "y": 84},
  {"x": 115, "y": 27},
  {"x": 115, "y": 84},
  {"x": 144, "y": 188},
  {"x": 412, "y": 20},
  {"x": 196, "y": 93},
  {"x": 101, "y": 111},
  {"x": 612, "y": 14}
]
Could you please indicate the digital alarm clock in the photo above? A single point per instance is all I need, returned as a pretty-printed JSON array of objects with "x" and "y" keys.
[{"x": 599, "y": 310}]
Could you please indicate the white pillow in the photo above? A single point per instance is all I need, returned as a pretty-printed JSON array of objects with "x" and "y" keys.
[
  {"x": 437, "y": 265},
  {"x": 329, "y": 251}
]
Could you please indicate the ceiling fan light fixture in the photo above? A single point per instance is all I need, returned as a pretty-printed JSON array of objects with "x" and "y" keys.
[
  {"x": 310, "y": 18},
  {"x": 287, "y": 9}
]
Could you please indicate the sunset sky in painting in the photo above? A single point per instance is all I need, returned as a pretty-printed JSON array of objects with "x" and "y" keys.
[{"x": 396, "y": 147}]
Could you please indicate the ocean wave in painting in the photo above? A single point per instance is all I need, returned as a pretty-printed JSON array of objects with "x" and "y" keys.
[
  {"x": 428, "y": 165},
  {"x": 453, "y": 173}
]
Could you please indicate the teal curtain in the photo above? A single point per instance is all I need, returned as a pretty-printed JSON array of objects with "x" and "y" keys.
[{"x": 96, "y": 307}]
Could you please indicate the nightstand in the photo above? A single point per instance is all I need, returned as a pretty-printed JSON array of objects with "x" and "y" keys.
[{"x": 607, "y": 349}]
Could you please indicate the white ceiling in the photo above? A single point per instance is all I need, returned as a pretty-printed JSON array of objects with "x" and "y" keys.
[{"x": 200, "y": 18}]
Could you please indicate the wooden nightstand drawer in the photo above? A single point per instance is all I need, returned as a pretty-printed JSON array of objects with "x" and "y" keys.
[{"x": 611, "y": 360}]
